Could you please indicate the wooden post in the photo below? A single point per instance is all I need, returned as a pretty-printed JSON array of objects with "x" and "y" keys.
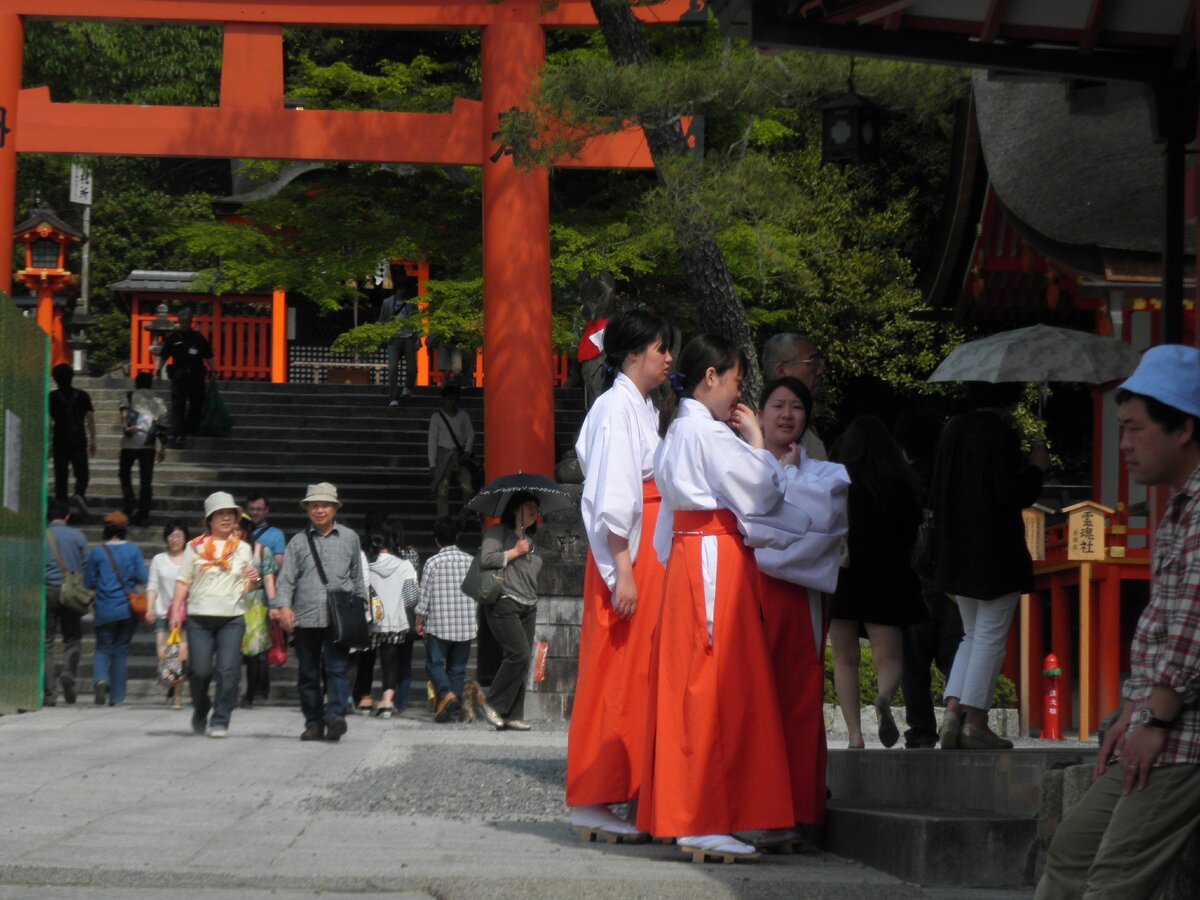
[
  {"x": 278, "y": 336},
  {"x": 1026, "y": 672},
  {"x": 518, "y": 393},
  {"x": 1060, "y": 645},
  {"x": 1036, "y": 649},
  {"x": 1110, "y": 639},
  {"x": 12, "y": 49},
  {"x": 1085, "y": 650}
]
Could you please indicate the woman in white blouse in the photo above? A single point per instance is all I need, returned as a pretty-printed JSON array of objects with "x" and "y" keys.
[
  {"x": 622, "y": 583},
  {"x": 160, "y": 589},
  {"x": 210, "y": 593},
  {"x": 716, "y": 762}
]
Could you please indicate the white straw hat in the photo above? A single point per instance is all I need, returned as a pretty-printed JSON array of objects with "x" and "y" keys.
[
  {"x": 218, "y": 501},
  {"x": 323, "y": 492}
]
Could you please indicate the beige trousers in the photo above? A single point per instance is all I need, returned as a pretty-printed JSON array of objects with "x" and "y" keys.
[{"x": 1121, "y": 847}]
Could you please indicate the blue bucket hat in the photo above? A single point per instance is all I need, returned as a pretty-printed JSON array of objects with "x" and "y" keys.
[{"x": 1170, "y": 374}]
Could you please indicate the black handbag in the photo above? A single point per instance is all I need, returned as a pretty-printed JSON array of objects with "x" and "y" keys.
[{"x": 347, "y": 610}]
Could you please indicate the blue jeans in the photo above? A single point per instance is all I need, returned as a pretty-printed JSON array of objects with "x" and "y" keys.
[
  {"x": 315, "y": 646},
  {"x": 446, "y": 663},
  {"x": 215, "y": 648},
  {"x": 111, "y": 660}
]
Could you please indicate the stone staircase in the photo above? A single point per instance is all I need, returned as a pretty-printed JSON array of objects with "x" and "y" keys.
[
  {"x": 286, "y": 437},
  {"x": 952, "y": 819}
]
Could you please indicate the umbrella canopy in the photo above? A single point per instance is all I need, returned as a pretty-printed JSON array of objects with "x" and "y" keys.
[
  {"x": 1039, "y": 353},
  {"x": 492, "y": 500}
]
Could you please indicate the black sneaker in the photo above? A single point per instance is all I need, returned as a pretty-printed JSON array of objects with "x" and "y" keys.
[
  {"x": 313, "y": 733},
  {"x": 68, "y": 686},
  {"x": 335, "y": 729},
  {"x": 199, "y": 722},
  {"x": 101, "y": 693}
]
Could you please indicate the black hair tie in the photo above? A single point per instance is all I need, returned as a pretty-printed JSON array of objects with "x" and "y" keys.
[{"x": 677, "y": 384}]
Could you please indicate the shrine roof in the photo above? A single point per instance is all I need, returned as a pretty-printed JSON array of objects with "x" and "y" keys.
[
  {"x": 1121, "y": 40},
  {"x": 151, "y": 281}
]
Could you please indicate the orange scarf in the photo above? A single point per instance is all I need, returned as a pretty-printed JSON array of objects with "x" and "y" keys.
[{"x": 206, "y": 549}]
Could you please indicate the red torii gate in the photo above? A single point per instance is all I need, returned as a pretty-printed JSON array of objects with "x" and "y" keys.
[{"x": 252, "y": 122}]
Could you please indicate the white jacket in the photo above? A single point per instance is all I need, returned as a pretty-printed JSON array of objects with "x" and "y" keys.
[{"x": 394, "y": 581}]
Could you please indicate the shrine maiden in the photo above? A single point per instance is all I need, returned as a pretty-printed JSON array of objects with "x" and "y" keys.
[
  {"x": 794, "y": 580},
  {"x": 716, "y": 761},
  {"x": 622, "y": 588}
]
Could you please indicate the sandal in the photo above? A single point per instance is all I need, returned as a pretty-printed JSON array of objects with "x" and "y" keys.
[{"x": 384, "y": 712}]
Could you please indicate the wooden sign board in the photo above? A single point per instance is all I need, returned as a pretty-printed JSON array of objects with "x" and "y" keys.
[
  {"x": 1085, "y": 530},
  {"x": 1034, "y": 518}
]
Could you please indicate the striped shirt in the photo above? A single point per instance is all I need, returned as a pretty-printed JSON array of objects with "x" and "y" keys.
[
  {"x": 449, "y": 613},
  {"x": 1166, "y": 644}
]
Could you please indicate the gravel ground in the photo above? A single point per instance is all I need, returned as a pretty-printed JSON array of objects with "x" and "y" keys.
[{"x": 460, "y": 783}]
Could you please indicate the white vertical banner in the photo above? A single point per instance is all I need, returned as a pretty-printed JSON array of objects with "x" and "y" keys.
[{"x": 81, "y": 185}]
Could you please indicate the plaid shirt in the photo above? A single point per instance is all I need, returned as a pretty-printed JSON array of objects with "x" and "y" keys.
[
  {"x": 1166, "y": 645},
  {"x": 449, "y": 613}
]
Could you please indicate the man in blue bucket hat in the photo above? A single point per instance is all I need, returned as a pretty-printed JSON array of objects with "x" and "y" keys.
[{"x": 1144, "y": 802}]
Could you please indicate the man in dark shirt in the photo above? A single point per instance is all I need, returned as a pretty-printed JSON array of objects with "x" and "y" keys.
[
  {"x": 185, "y": 351},
  {"x": 403, "y": 343},
  {"x": 72, "y": 434}
]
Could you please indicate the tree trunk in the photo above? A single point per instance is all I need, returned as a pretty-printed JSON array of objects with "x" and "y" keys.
[{"x": 700, "y": 257}]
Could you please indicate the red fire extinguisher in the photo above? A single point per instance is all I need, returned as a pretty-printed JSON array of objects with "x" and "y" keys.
[{"x": 1050, "y": 674}]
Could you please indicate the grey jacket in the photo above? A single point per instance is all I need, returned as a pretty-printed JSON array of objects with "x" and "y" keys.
[{"x": 298, "y": 585}]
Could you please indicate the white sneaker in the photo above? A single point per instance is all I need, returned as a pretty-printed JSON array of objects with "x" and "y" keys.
[{"x": 218, "y": 732}]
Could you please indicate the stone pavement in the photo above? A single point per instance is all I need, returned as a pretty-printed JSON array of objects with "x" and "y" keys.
[{"x": 126, "y": 802}]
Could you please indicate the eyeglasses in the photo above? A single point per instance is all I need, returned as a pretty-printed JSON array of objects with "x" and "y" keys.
[{"x": 816, "y": 361}]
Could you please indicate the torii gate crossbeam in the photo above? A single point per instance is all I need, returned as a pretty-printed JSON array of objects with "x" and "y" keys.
[{"x": 251, "y": 122}]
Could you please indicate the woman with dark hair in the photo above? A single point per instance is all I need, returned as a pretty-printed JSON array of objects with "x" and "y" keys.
[
  {"x": 164, "y": 569},
  {"x": 795, "y": 581},
  {"x": 715, "y": 761},
  {"x": 113, "y": 570},
  {"x": 622, "y": 586},
  {"x": 394, "y": 581},
  {"x": 878, "y": 591},
  {"x": 511, "y": 618}
]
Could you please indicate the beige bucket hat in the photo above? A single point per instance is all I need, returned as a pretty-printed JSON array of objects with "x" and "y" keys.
[
  {"x": 323, "y": 492},
  {"x": 220, "y": 500}
]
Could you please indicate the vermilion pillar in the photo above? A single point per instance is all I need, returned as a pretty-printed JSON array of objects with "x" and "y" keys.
[
  {"x": 518, "y": 393},
  {"x": 12, "y": 46}
]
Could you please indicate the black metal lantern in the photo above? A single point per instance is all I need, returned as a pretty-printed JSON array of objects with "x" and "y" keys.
[{"x": 850, "y": 127}]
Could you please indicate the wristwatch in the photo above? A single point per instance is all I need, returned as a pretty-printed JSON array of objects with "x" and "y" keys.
[{"x": 1147, "y": 719}]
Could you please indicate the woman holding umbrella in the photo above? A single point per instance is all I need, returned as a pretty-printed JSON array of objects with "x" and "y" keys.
[
  {"x": 511, "y": 618},
  {"x": 622, "y": 586}
]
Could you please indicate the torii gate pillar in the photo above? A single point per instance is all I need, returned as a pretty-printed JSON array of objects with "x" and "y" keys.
[
  {"x": 12, "y": 44},
  {"x": 518, "y": 392}
]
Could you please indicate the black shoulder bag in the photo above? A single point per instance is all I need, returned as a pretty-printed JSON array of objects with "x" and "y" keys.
[{"x": 347, "y": 610}]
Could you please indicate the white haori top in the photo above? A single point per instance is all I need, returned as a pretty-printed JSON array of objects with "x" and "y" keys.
[
  {"x": 702, "y": 465},
  {"x": 616, "y": 451},
  {"x": 814, "y": 515}
]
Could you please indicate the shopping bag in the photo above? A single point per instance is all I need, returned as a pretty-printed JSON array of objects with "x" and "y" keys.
[
  {"x": 170, "y": 664},
  {"x": 255, "y": 640}
]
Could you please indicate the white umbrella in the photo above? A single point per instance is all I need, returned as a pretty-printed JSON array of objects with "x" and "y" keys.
[{"x": 1039, "y": 353}]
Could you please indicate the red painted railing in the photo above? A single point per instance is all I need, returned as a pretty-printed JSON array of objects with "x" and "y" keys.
[{"x": 239, "y": 330}]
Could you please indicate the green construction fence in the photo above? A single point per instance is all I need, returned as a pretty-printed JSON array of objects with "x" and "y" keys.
[{"x": 23, "y": 372}]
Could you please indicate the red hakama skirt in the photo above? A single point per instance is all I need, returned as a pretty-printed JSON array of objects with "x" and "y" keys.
[
  {"x": 716, "y": 761},
  {"x": 797, "y": 657},
  {"x": 606, "y": 740}
]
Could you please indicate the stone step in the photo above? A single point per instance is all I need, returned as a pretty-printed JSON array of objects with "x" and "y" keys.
[
  {"x": 934, "y": 847},
  {"x": 948, "y": 818}
]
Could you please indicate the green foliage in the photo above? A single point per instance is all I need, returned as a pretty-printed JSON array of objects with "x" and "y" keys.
[{"x": 1004, "y": 697}]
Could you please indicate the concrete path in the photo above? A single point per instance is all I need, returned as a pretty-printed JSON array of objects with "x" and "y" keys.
[{"x": 127, "y": 802}]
